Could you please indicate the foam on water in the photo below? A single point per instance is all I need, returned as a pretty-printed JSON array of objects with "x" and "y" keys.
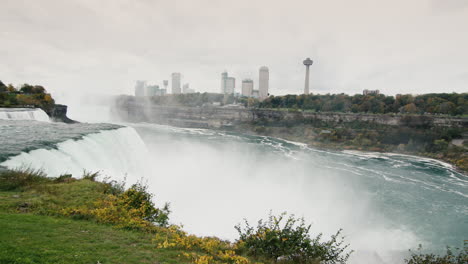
[{"x": 36, "y": 114}]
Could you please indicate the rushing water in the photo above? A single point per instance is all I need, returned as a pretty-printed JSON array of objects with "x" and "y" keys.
[
  {"x": 385, "y": 203},
  {"x": 23, "y": 114}
]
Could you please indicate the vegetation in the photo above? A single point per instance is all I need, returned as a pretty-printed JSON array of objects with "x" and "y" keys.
[
  {"x": 26, "y": 95},
  {"x": 414, "y": 137},
  {"x": 287, "y": 238},
  {"x": 120, "y": 219},
  {"x": 442, "y": 103},
  {"x": 456, "y": 256},
  {"x": 189, "y": 100},
  {"x": 454, "y": 104}
]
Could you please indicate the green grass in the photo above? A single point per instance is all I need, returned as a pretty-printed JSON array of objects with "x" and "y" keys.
[
  {"x": 32, "y": 230},
  {"x": 27, "y": 238}
]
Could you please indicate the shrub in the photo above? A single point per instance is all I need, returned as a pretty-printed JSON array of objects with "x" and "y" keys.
[
  {"x": 90, "y": 175},
  {"x": 287, "y": 238},
  {"x": 64, "y": 178},
  {"x": 449, "y": 258},
  {"x": 21, "y": 179},
  {"x": 206, "y": 249},
  {"x": 132, "y": 209}
]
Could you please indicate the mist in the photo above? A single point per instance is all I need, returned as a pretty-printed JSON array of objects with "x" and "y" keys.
[{"x": 213, "y": 186}]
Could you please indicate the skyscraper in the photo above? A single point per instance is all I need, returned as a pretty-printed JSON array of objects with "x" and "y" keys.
[
  {"x": 263, "y": 82},
  {"x": 140, "y": 87},
  {"x": 224, "y": 77},
  {"x": 228, "y": 84},
  {"x": 176, "y": 83},
  {"x": 247, "y": 87}
]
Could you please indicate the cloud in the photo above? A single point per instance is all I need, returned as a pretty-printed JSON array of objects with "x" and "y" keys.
[{"x": 90, "y": 46}]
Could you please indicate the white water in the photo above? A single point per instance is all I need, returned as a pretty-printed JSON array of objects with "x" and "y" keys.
[
  {"x": 36, "y": 114},
  {"x": 117, "y": 153}
]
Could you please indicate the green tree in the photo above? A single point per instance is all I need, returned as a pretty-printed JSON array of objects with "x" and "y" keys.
[{"x": 288, "y": 238}]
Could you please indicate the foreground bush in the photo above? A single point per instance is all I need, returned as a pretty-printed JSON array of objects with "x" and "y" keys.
[
  {"x": 286, "y": 239},
  {"x": 205, "y": 250},
  {"x": 450, "y": 257},
  {"x": 129, "y": 209}
]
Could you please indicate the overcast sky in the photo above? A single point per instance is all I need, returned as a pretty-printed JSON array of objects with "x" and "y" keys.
[{"x": 104, "y": 46}]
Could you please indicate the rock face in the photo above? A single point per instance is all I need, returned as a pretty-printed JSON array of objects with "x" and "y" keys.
[
  {"x": 216, "y": 117},
  {"x": 59, "y": 114}
]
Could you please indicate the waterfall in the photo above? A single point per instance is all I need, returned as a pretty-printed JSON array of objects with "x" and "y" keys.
[
  {"x": 118, "y": 153},
  {"x": 36, "y": 114}
]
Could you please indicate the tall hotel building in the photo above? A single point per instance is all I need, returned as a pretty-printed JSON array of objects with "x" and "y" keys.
[
  {"x": 176, "y": 83},
  {"x": 247, "y": 87},
  {"x": 228, "y": 84},
  {"x": 263, "y": 83}
]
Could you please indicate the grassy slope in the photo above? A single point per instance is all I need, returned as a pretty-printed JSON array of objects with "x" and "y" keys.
[
  {"x": 42, "y": 238},
  {"x": 27, "y": 238}
]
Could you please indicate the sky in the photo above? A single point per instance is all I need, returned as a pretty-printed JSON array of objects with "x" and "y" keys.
[{"x": 78, "y": 47}]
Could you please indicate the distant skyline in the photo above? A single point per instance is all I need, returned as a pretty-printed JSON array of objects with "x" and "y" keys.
[{"x": 103, "y": 47}]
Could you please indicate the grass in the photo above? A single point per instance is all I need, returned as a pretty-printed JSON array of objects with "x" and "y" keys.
[
  {"x": 27, "y": 238},
  {"x": 32, "y": 229}
]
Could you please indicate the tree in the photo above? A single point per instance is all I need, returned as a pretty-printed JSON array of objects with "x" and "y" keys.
[
  {"x": 3, "y": 87},
  {"x": 288, "y": 238},
  {"x": 410, "y": 109}
]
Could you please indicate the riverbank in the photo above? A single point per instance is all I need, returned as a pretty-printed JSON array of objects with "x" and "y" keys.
[
  {"x": 357, "y": 139},
  {"x": 421, "y": 135}
]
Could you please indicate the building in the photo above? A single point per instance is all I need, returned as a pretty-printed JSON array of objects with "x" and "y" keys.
[
  {"x": 176, "y": 81},
  {"x": 263, "y": 82},
  {"x": 140, "y": 88},
  {"x": 224, "y": 77},
  {"x": 247, "y": 87},
  {"x": 152, "y": 90},
  {"x": 255, "y": 94},
  {"x": 370, "y": 92},
  {"x": 228, "y": 84},
  {"x": 307, "y": 62},
  {"x": 186, "y": 89}
]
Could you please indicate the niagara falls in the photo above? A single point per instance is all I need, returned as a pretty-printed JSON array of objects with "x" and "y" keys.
[{"x": 233, "y": 132}]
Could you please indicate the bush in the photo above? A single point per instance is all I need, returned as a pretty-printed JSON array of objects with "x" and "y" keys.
[
  {"x": 207, "y": 249},
  {"x": 287, "y": 238},
  {"x": 132, "y": 209},
  {"x": 21, "y": 179},
  {"x": 449, "y": 258}
]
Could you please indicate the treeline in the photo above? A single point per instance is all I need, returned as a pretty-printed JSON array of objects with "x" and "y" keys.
[
  {"x": 25, "y": 95},
  {"x": 189, "y": 100},
  {"x": 442, "y": 103},
  {"x": 454, "y": 104}
]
